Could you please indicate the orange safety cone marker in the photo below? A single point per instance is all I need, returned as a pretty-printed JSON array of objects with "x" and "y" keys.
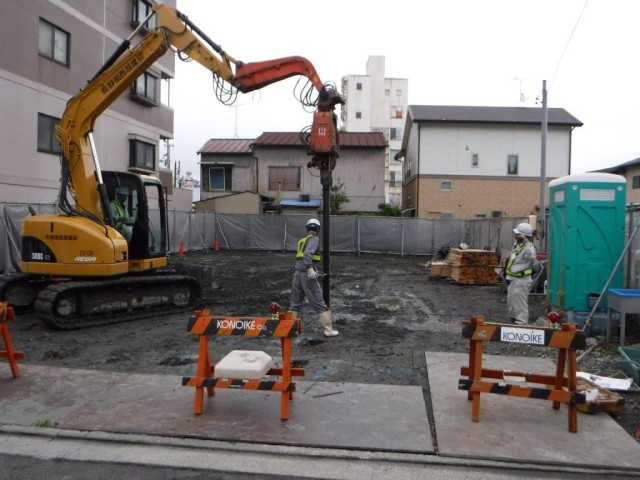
[
  {"x": 181, "y": 248},
  {"x": 216, "y": 244}
]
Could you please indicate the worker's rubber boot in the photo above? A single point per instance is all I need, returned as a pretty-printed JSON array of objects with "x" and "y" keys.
[
  {"x": 325, "y": 321},
  {"x": 295, "y": 314}
]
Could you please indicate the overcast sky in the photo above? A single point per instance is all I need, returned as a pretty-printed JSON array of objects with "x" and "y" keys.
[{"x": 453, "y": 52}]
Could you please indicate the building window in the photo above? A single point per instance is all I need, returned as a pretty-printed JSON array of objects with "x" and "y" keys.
[
  {"x": 358, "y": 114},
  {"x": 407, "y": 168},
  {"x": 144, "y": 89},
  {"x": 481, "y": 215},
  {"x": 53, "y": 43},
  {"x": 358, "y": 86},
  {"x": 47, "y": 141},
  {"x": 396, "y": 112},
  {"x": 398, "y": 93},
  {"x": 496, "y": 213},
  {"x": 395, "y": 178},
  {"x": 220, "y": 178},
  {"x": 446, "y": 215},
  {"x": 395, "y": 133},
  {"x": 142, "y": 155},
  {"x": 635, "y": 181},
  {"x": 446, "y": 185},
  {"x": 141, "y": 9},
  {"x": 286, "y": 179},
  {"x": 512, "y": 164},
  {"x": 475, "y": 160},
  {"x": 387, "y": 91}
]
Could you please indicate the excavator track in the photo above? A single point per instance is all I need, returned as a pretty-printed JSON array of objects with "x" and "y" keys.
[{"x": 71, "y": 305}]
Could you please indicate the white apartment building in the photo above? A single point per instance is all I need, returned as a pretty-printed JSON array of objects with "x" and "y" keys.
[{"x": 375, "y": 103}]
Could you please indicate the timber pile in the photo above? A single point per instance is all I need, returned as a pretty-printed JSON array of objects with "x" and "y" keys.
[
  {"x": 473, "y": 267},
  {"x": 440, "y": 268}
]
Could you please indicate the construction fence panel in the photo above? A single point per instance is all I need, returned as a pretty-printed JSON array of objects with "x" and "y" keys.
[
  {"x": 417, "y": 236},
  {"x": 343, "y": 234},
  {"x": 11, "y": 232},
  {"x": 380, "y": 234},
  {"x": 447, "y": 233},
  {"x": 179, "y": 231},
  {"x": 266, "y": 232},
  {"x": 198, "y": 238},
  {"x": 348, "y": 234},
  {"x": 233, "y": 231}
]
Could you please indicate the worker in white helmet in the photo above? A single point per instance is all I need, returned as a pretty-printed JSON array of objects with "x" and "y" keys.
[
  {"x": 305, "y": 278},
  {"x": 519, "y": 271}
]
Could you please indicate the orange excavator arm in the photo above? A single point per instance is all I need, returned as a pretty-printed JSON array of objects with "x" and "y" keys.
[{"x": 173, "y": 29}]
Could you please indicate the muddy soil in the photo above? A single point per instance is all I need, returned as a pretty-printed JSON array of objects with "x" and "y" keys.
[{"x": 388, "y": 309}]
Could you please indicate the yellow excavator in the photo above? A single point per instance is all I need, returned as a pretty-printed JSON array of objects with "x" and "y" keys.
[{"x": 103, "y": 258}]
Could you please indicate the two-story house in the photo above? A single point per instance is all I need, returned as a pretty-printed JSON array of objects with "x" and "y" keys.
[
  {"x": 275, "y": 166},
  {"x": 477, "y": 162},
  {"x": 631, "y": 171}
]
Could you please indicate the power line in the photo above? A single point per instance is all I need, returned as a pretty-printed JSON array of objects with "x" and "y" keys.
[{"x": 567, "y": 45}]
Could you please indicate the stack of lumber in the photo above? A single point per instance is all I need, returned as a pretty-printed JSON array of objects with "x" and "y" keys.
[
  {"x": 440, "y": 268},
  {"x": 473, "y": 267}
]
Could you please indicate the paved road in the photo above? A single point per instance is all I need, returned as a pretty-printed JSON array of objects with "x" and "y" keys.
[{"x": 59, "y": 456}]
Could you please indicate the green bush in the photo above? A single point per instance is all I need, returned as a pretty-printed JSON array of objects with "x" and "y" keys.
[{"x": 387, "y": 210}]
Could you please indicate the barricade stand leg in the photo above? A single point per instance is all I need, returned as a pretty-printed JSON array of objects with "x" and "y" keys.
[
  {"x": 203, "y": 370},
  {"x": 283, "y": 341},
  {"x": 286, "y": 377},
  {"x": 475, "y": 368},
  {"x": 6, "y": 315},
  {"x": 573, "y": 387},
  {"x": 560, "y": 368}
]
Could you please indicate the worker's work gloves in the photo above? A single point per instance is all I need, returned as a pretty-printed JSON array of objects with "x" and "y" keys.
[{"x": 311, "y": 273}]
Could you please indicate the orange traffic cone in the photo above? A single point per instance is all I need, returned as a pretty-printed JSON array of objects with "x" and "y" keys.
[
  {"x": 216, "y": 244},
  {"x": 181, "y": 248}
]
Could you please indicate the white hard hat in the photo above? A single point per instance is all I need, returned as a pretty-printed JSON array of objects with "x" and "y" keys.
[
  {"x": 314, "y": 223},
  {"x": 122, "y": 190},
  {"x": 524, "y": 229}
]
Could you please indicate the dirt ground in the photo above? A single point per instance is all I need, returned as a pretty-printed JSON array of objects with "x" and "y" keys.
[{"x": 387, "y": 308}]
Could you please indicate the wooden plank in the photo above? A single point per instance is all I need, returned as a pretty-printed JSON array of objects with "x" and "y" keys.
[
  {"x": 440, "y": 269},
  {"x": 474, "y": 275},
  {"x": 473, "y": 258}
]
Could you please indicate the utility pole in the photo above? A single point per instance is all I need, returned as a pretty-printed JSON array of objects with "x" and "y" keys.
[{"x": 542, "y": 217}]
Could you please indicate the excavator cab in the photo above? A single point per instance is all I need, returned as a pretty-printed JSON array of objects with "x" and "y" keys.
[{"x": 137, "y": 207}]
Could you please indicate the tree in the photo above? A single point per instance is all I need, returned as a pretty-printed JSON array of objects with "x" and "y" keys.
[
  {"x": 337, "y": 197},
  {"x": 387, "y": 210}
]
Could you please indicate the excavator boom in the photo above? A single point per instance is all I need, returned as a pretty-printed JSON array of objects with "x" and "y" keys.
[{"x": 68, "y": 252}]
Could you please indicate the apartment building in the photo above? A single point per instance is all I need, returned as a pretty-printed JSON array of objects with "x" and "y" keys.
[
  {"x": 375, "y": 103},
  {"x": 51, "y": 49}
]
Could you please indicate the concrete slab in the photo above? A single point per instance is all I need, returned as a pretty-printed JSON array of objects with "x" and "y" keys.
[
  {"x": 520, "y": 429},
  {"x": 322, "y": 414}
]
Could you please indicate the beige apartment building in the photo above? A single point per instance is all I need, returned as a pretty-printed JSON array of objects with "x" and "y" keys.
[{"x": 50, "y": 50}]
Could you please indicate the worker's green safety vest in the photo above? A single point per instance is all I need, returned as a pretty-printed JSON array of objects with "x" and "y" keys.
[
  {"x": 119, "y": 208},
  {"x": 301, "y": 244},
  {"x": 523, "y": 273}
]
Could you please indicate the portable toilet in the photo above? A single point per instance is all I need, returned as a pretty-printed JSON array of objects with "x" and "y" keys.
[{"x": 586, "y": 239}]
